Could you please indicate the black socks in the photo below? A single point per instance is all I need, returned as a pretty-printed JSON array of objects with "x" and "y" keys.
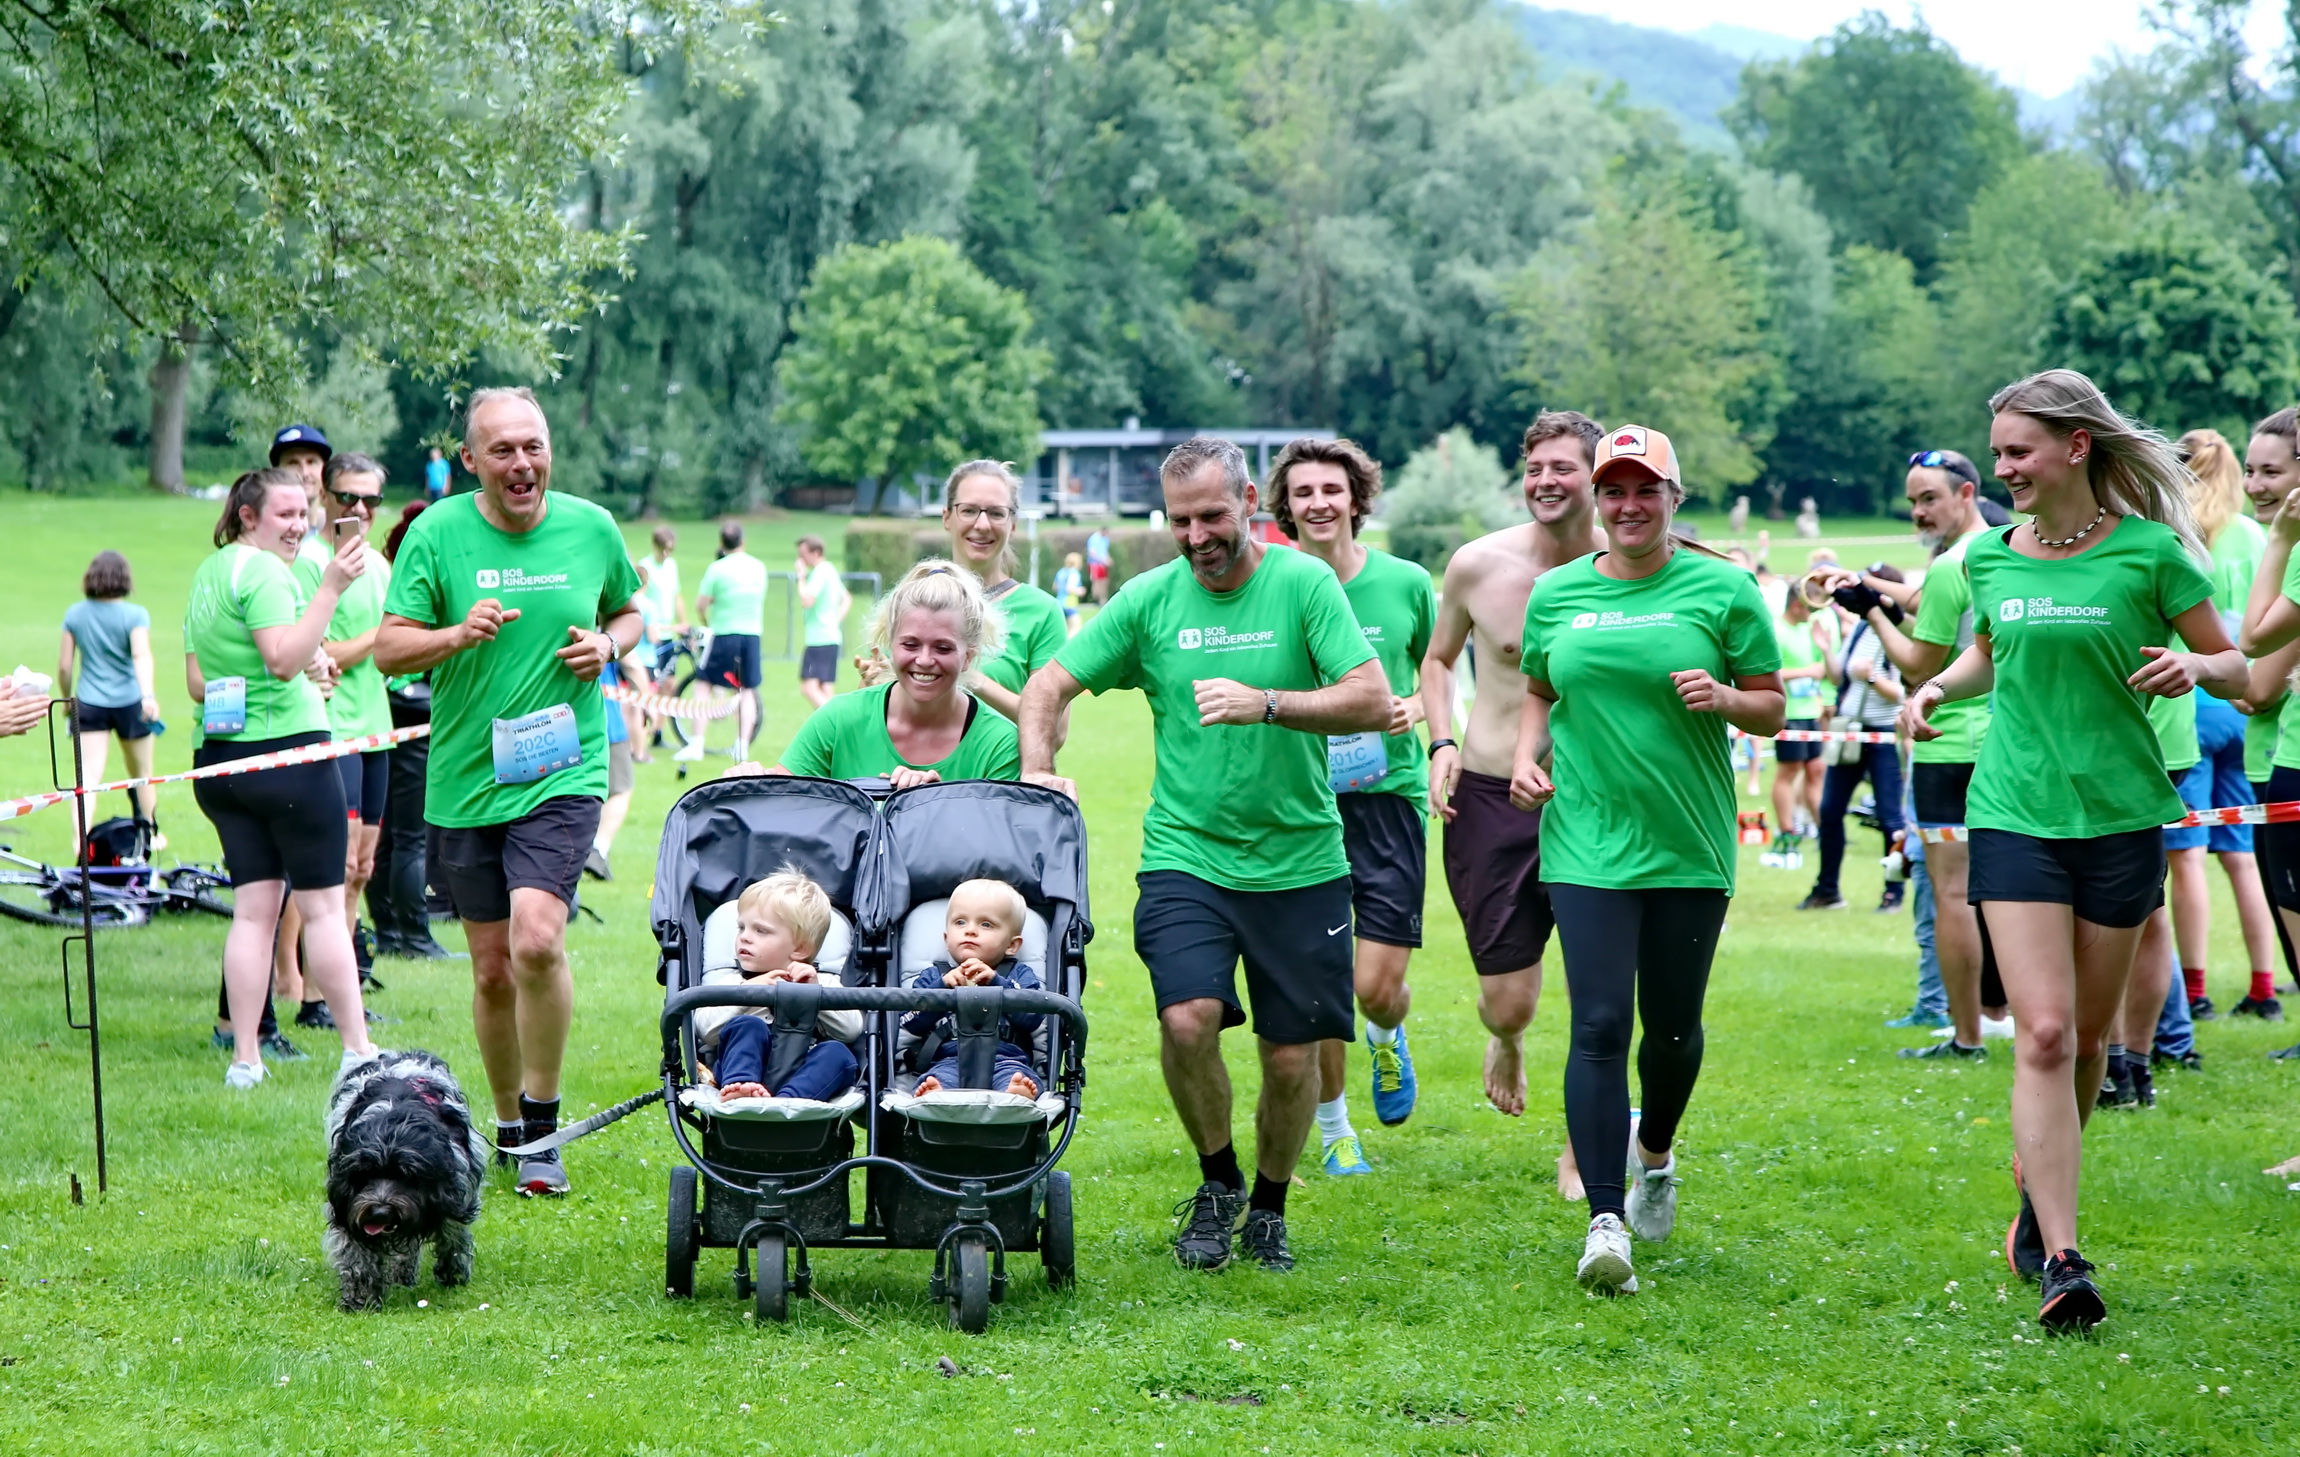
[
  {"x": 1268, "y": 1194},
  {"x": 1221, "y": 1167},
  {"x": 540, "y": 1119}
]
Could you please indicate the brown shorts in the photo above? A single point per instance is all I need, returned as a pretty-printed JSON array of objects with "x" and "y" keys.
[{"x": 1493, "y": 868}]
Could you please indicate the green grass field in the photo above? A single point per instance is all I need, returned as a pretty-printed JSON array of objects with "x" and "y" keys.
[{"x": 1835, "y": 1284}]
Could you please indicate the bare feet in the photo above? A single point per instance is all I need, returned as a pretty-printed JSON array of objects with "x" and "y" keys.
[
  {"x": 743, "y": 1090},
  {"x": 1021, "y": 1087},
  {"x": 2290, "y": 1168},
  {"x": 927, "y": 1085},
  {"x": 1505, "y": 1073},
  {"x": 1569, "y": 1185}
]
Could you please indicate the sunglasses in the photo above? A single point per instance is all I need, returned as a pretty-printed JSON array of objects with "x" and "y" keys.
[
  {"x": 351, "y": 498},
  {"x": 1943, "y": 460}
]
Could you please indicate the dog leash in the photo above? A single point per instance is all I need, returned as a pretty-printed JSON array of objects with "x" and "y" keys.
[{"x": 574, "y": 1131}]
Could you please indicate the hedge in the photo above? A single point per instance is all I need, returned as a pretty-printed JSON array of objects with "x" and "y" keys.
[{"x": 889, "y": 547}]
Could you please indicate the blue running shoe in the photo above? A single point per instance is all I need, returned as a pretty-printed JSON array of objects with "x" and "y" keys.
[
  {"x": 1394, "y": 1085},
  {"x": 1345, "y": 1156},
  {"x": 1920, "y": 1019}
]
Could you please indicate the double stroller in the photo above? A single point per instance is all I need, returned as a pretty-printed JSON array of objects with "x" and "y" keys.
[{"x": 968, "y": 1172}]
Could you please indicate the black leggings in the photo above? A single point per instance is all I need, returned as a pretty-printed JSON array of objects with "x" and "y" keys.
[{"x": 1654, "y": 946}]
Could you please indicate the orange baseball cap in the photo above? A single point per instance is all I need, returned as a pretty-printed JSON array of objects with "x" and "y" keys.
[{"x": 1647, "y": 448}]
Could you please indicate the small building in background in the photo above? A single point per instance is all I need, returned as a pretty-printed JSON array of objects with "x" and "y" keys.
[{"x": 1115, "y": 472}]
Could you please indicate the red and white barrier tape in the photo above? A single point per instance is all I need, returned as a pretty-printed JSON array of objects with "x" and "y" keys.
[
  {"x": 2282, "y": 813},
  {"x": 1821, "y": 736},
  {"x": 309, "y": 754},
  {"x": 686, "y": 708}
]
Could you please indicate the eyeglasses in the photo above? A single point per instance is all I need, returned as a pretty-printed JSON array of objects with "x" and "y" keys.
[
  {"x": 995, "y": 515},
  {"x": 351, "y": 498}
]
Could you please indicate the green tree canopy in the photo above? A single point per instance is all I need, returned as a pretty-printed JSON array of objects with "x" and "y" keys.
[
  {"x": 1651, "y": 314},
  {"x": 906, "y": 360},
  {"x": 1891, "y": 130},
  {"x": 2180, "y": 330}
]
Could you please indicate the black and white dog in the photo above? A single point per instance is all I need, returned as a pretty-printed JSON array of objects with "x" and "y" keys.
[{"x": 404, "y": 1165}]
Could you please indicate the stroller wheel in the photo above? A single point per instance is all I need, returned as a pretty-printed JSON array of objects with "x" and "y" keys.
[
  {"x": 680, "y": 1242},
  {"x": 773, "y": 1285},
  {"x": 1057, "y": 1238},
  {"x": 970, "y": 1282}
]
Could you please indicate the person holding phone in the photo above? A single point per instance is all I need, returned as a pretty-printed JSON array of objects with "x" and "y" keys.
[{"x": 351, "y": 492}]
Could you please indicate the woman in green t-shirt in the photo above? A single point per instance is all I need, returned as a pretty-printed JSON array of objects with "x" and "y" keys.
[
  {"x": 250, "y": 640},
  {"x": 1636, "y": 658},
  {"x": 981, "y": 502},
  {"x": 2271, "y": 473},
  {"x": 922, "y": 726},
  {"x": 2072, "y": 616}
]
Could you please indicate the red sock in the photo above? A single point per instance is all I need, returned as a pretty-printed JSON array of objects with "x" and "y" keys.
[
  {"x": 2194, "y": 975},
  {"x": 2263, "y": 986}
]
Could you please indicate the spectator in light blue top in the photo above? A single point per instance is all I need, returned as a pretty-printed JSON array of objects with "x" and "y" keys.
[
  {"x": 436, "y": 474},
  {"x": 108, "y": 640}
]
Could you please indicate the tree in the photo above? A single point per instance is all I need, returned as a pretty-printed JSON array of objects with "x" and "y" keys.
[
  {"x": 1893, "y": 133},
  {"x": 2179, "y": 330},
  {"x": 1651, "y": 314},
  {"x": 905, "y": 360},
  {"x": 388, "y": 172},
  {"x": 1861, "y": 399}
]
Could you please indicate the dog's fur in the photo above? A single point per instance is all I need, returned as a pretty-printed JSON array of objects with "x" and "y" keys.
[{"x": 404, "y": 1165}]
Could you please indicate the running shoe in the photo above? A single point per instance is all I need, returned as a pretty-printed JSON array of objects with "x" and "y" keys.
[
  {"x": 595, "y": 865},
  {"x": 1605, "y": 1266},
  {"x": 2201, "y": 1009},
  {"x": 222, "y": 1041},
  {"x": 1819, "y": 902},
  {"x": 1948, "y": 1049},
  {"x": 2116, "y": 1090},
  {"x": 2267, "y": 1009},
  {"x": 367, "y": 981},
  {"x": 2143, "y": 1080},
  {"x": 1891, "y": 901},
  {"x": 2024, "y": 1242},
  {"x": 1394, "y": 1086},
  {"x": 2281, "y": 1054},
  {"x": 508, "y": 1135},
  {"x": 1919, "y": 1018},
  {"x": 277, "y": 1046},
  {"x": 245, "y": 1075},
  {"x": 1345, "y": 1157},
  {"x": 2194, "y": 1060},
  {"x": 315, "y": 1015},
  {"x": 1209, "y": 1218},
  {"x": 1265, "y": 1239},
  {"x": 2071, "y": 1301},
  {"x": 541, "y": 1174},
  {"x": 1653, "y": 1201}
]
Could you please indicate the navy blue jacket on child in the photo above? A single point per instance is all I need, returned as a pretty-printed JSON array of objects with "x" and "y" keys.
[{"x": 928, "y": 1041}]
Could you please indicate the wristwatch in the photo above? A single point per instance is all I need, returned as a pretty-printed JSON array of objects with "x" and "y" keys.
[
  {"x": 1269, "y": 705},
  {"x": 1437, "y": 744}
]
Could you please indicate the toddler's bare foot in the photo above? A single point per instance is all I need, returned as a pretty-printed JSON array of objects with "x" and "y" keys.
[
  {"x": 928, "y": 1085},
  {"x": 1021, "y": 1086},
  {"x": 743, "y": 1090}
]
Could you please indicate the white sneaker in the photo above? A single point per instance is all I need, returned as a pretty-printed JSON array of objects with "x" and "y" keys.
[
  {"x": 1996, "y": 1027},
  {"x": 353, "y": 1059},
  {"x": 245, "y": 1075},
  {"x": 1605, "y": 1257},
  {"x": 689, "y": 753},
  {"x": 1653, "y": 1201}
]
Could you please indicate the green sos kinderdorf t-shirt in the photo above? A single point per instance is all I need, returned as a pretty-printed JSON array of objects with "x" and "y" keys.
[
  {"x": 360, "y": 705},
  {"x": 236, "y": 590},
  {"x": 571, "y": 570},
  {"x": 1396, "y": 610},
  {"x": 1244, "y": 806},
  {"x": 2070, "y": 752},
  {"x": 846, "y": 738},
  {"x": 1644, "y": 784},
  {"x": 1034, "y": 634},
  {"x": 1945, "y": 619}
]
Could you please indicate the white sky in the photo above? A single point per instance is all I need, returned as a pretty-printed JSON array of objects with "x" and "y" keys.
[{"x": 2045, "y": 46}]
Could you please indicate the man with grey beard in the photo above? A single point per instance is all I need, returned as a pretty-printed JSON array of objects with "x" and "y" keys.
[{"x": 1250, "y": 658}]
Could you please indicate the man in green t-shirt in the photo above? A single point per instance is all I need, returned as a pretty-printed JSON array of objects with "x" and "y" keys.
[
  {"x": 1945, "y": 508},
  {"x": 1250, "y": 658},
  {"x": 1321, "y": 492},
  {"x": 514, "y": 598},
  {"x": 731, "y": 599},
  {"x": 359, "y": 707},
  {"x": 825, "y": 600}
]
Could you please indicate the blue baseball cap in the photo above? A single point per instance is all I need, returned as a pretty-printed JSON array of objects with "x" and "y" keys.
[{"x": 309, "y": 435}]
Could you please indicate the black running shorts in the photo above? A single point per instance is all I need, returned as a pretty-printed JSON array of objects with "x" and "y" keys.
[
  {"x": 1300, "y": 959},
  {"x": 543, "y": 849},
  {"x": 1797, "y": 751},
  {"x": 1493, "y": 869},
  {"x": 2279, "y": 845},
  {"x": 366, "y": 784},
  {"x": 285, "y": 823},
  {"x": 734, "y": 661},
  {"x": 2109, "y": 880},
  {"x": 1937, "y": 792},
  {"x": 1389, "y": 865},
  {"x": 819, "y": 663}
]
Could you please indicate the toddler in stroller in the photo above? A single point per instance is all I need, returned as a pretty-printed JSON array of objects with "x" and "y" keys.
[
  {"x": 783, "y": 922},
  {"x": 982, "y": 931}
]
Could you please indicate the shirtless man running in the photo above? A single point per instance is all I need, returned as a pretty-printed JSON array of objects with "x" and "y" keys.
[{"x": 1492, "y": 849}]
